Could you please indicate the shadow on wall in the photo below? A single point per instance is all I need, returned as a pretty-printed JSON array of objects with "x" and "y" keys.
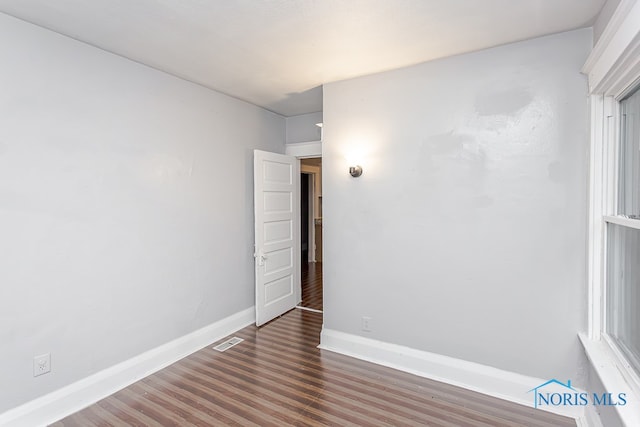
[{"x": 297, "y": 103}]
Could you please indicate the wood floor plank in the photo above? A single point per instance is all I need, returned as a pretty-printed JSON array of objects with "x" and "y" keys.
[
  {"x": 129, "y": 414},
  {"x": 202, "y": 403},
  {"x": 298, "y": 378},
  {"x": 266, "y": 396},
  {"x": 312, "y": 285},
  {"x": 226, "y": 400},
  {"x": 297, "y": 382},
  {"x": 278, "y": 377},
  {"x": 102, "y": 417},
  {"x": 176, "y": 406},
  {"x": 294, "y": 390}
]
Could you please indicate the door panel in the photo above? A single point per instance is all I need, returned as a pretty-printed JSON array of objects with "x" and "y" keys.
[
  {"x": 277, "y": 231},
  {"x": 279, "y": 261}
]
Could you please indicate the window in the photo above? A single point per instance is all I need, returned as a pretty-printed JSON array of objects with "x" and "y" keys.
[
  {"x": 623, "y": 291},
  {"x": 629, "y": 157},
  {"x": 622, "y": 283},
  {"x": 612, "y": 342}
]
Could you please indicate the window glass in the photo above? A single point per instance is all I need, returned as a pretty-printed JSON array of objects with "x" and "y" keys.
[
  {"x": 623, "y": 290},
  {"x": 629, "y": 163}
]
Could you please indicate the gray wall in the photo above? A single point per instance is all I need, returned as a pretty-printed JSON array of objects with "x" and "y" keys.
[
  {"x": 603, "y": 18},
  {"x": 303, "y": 128},
  {"x": 465, "y": 236},
  {"x": 126, "y": 209}
]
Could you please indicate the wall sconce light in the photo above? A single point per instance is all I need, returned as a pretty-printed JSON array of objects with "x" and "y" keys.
[{"x": 355, "y": 171}]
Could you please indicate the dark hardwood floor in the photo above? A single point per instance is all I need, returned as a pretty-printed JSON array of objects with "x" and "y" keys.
[
  {"x": 277, "y": 377},
  {"x": 312, "y": 285}
]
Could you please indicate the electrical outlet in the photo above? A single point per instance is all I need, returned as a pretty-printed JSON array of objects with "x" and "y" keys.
[
  {"x": 42, "y": 364},
  {"x": 366, "y": 324}
]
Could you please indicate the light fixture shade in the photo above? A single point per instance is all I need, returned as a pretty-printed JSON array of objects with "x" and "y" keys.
[{"x": 355, "y": 171}]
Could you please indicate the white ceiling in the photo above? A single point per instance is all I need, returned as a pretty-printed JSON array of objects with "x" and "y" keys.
[{"x": 277, "y": 53}]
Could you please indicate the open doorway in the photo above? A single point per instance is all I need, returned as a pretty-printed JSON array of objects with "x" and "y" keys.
[{"x": 311, "y": 232}]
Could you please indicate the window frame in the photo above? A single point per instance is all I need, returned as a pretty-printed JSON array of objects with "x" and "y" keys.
[
  {"x": 607, "y": 359},
  {"x": 613, "y": 71},
  {"x": 611, "y": 215}
]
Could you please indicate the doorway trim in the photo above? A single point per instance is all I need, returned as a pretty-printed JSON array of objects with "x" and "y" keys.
[
  {"x": 304, "y": 150},
  {"x": 308, "y": 150},
  {"x": 314, "y": 173}
]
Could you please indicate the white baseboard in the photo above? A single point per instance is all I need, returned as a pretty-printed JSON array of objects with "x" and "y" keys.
[
  {"x": 74, "y": 397},
  {"x": 484, "y": 379}
]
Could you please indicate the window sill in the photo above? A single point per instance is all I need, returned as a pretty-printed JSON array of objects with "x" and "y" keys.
[
  {"x": 623, "y": 220},
  {"x": 604, "y": 362}
]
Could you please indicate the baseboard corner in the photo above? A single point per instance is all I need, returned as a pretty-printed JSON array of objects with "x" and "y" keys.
[
  {"x": 67, "y": 400},
  {"x": 472, "y": 376}
]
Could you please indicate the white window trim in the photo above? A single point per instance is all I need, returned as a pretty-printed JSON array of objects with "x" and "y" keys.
[
  {"x": 621, "y": 220},
  {"x": 631, "y": 378},
  {"x": 613, "y": 68}
]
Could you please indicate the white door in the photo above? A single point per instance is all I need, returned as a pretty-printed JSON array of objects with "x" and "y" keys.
[{"x": 277, "y": 234}]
